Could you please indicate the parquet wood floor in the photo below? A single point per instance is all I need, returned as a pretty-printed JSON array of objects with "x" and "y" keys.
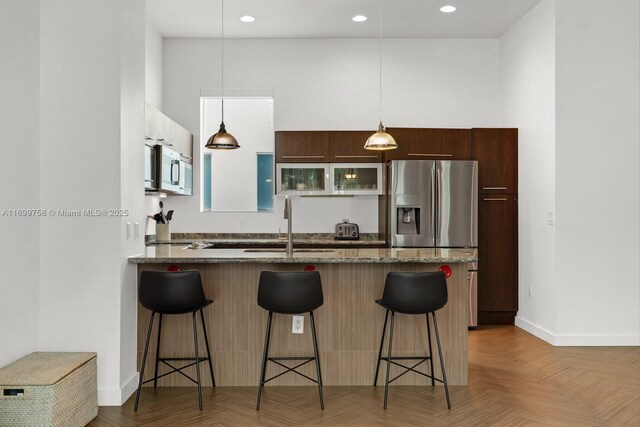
[{"x": 515, "y": 379}]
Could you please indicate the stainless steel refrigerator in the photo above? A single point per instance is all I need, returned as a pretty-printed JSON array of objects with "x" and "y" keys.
[{"x": 434, "y": 204}]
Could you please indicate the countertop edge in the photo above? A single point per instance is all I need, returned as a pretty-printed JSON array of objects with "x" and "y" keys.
[{"x": 359, "y": 260}]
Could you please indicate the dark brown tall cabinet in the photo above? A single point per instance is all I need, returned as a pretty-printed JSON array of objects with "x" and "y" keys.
[{"x": 496, "y": 151}]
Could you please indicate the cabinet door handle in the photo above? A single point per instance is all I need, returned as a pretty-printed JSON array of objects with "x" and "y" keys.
[
  {"x": 430, "y": 155},
  {"x": 495, "y": 199},
  {"x": 303, "y": 157},
  {"x": 494, "y": 188},
  {"x": 355, "y": 157},
  {"x": 164, "y": 142}
]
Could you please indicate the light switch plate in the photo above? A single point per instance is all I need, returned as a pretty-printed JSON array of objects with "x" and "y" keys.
[
  {"x": 550, "y": 218},
  {"x": 298, "y": 325}
]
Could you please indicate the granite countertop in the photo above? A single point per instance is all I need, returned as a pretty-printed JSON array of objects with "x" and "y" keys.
[
  {"x": 178, "y": 254},
  {"x": 227, "y": 240}
]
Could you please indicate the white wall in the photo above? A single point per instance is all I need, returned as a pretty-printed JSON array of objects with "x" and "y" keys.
[
  {"x": 597, "y": 172},
  {"x": 329, "y": 84},
  {"x": 527, "y": 78},
  {"x": 235, "y": 189},
  {"x": 91, "y": 108},
  {"x": 153, "y": 72},
  {"x": 19, "y": 23},
  {"x": 153, "y": 67},
  {"x": 132, "y": 97}
]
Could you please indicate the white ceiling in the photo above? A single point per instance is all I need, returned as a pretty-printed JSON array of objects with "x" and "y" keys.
[{"x": 332, "y": 18}]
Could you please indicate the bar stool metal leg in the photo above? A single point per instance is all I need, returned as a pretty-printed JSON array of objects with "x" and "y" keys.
[
  {"x": 433, "y": 381},
  {"x": 317, "y": 355},
  {"x": 444, "y": 374},
  {"x": 384, "y": 330},
  {"x": 206, "y": 341},
  {"x": 386, "y": 384},
  {"x": 195, "y": 340},
  {"x": 155, "y": 374},
  {"x": 265, "y": 354},
  {"x": 144, "y": 361}
]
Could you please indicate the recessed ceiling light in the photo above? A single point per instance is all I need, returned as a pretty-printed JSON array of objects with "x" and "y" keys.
[
  {"x": 447, "y": 9},
  {"x": 247, "y": 18},
  {"x": 359, "y": 18}
]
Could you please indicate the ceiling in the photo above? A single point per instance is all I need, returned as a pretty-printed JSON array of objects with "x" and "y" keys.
[{"x": 332, "y": 18}]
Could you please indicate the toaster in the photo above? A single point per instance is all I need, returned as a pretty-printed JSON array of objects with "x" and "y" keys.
[{"x": 346, "y": 231}]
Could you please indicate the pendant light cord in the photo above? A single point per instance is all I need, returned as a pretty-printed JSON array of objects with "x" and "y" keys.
[
  {"x": 222, "y": 73},
  {"x": 380, "y": 62}
]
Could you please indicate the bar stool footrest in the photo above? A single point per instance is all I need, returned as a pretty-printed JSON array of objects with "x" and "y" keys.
[
  {"x": 305, "y": 359},
  {"x": 178, "y": 370},
  {"x": 421, "y": 360}
]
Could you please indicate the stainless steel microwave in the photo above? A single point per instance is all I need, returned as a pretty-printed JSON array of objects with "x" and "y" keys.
[
  {"x": 150, "y": 167},
  {"x": 185, "y": 178},
  {"x": 169, "y": 169}
]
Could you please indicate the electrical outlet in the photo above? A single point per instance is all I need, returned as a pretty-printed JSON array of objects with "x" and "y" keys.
[
  {"x": 530, "y": 290},
  {"x": 298, "y": 325},
  {"x": 242, "y": 224}
]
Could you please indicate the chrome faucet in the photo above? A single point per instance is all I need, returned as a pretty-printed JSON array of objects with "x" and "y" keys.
[{"x": 288, "y": 215}]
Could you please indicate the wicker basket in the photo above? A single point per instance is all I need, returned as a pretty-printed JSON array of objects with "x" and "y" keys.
[{"x": 49, "y": 389}]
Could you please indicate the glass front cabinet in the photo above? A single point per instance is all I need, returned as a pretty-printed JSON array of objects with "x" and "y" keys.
[
  {"x": 356, "y": 178},
  {"x": 311, "y": 179},
  {"x": 325, "y": 179}
]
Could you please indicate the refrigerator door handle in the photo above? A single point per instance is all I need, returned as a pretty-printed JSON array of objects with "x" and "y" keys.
[{"x": 434, "y": 219}]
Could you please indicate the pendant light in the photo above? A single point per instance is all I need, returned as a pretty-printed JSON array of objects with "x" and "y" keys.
[
  {"x": 380, "y": 140},
  {"x": 222, "y": 140}
]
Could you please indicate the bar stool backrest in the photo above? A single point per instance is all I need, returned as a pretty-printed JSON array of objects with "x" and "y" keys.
[
  {"x": 290, "y": 292},
  {"x": 171, "y": 292},
  {"x": 415, "y": 293}
]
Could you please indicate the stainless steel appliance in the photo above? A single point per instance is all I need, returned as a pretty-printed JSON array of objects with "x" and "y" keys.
[
  {"x": 347, "y": 231},
  {"x": 433, "y": 203},
  {"x": 169, "y": 173},
  {"x": 472, "y": 277},
  {"x": 185, "y": 178},
  {"x": 150, "y": 167}
]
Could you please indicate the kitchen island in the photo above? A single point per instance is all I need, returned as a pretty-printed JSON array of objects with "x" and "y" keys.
[{"x": 349, "y": 323}]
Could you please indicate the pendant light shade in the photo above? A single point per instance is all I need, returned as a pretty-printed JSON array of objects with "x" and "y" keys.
[
  {"x": 381, "y": 140},
  {"x": 222, "y": 140}
]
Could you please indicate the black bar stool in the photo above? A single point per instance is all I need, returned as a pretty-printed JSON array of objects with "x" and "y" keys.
[
  {"x": 177, "y": 292},
  {"x": 413, "y": 293},
  {"x": 290, "y": 293}
]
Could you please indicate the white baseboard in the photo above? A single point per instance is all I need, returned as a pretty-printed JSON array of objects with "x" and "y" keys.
[
  {"x": 536, "y": 330},
  {"x": 117, "y": 396},
  {"x": 597, "y": 340},
  {"x": 578, "y": 340}
]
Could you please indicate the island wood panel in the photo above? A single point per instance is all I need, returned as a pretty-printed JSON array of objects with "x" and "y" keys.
[{"x": 349, "y": 325}]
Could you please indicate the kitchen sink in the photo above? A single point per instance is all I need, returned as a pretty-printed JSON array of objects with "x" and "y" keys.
[{"x": 266, "y": 250}]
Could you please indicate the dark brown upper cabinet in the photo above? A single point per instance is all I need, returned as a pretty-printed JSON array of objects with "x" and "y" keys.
[
  {"x": 348, "y": 147},
  {"x": 302, "y": 146},
  {"x": 496, "y": 151},
  {"x": 430, "y": 144}
]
